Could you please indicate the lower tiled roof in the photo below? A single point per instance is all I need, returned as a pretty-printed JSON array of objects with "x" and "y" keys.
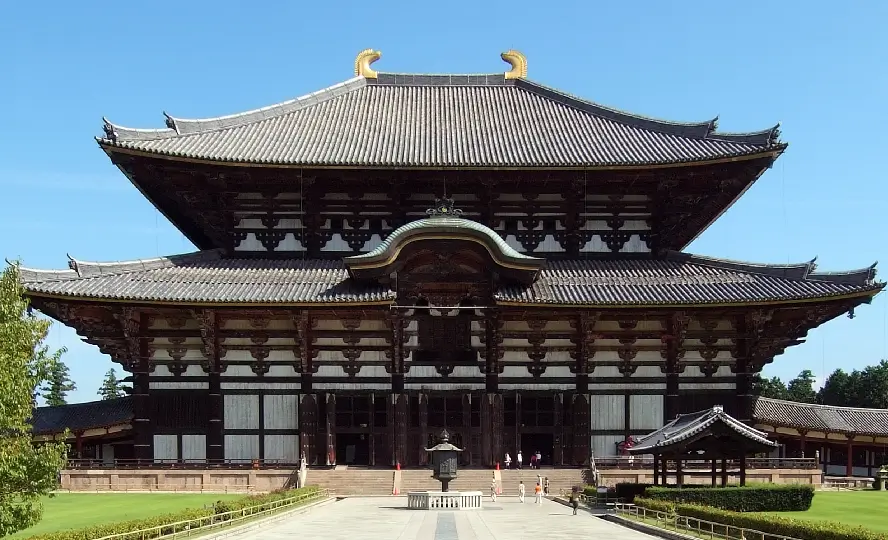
[
  {"x": 686, "y": 426},
  {"x": 678, "y": 279},
  {"x": 82, "y": 416},
  {"x": 824, "y": 418}
]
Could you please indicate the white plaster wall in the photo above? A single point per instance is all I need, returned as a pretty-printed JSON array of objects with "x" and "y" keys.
[
  {"x": 281, "y": 411},
  {"x": 194, "y": 447},
  {"x": 166, "y": 447},
  {"x": 192, "y": 370},
  {"x": 185, "y": 385},
  {"x": 260, "y": 386},
  {"x": 646, "y": 411},
  {"x": 605, "y": 445},
  {"x": 607, "y": 411},
  {"x": 282, "y": 447},
  {"x": 241, "y": 411},
  {"x": 241, "y": 447}
]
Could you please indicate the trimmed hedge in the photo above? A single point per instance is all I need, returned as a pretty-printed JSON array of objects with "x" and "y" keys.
[
  {"x": 100, "y": 531},
  {"x": 778, "y": 525},
  {"x": 751, "y": 498},
  {"x": 627, "y": 491}
]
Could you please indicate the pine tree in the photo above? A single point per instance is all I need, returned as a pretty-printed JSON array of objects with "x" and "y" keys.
[
  {"x": 111, "y": 386},
  {"x": 27, "y": 471},
  {"x": 58, "y": 384}
]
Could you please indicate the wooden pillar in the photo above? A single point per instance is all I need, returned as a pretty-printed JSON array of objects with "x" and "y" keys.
[
  {"x": 78, "y": 444},
  {"x": 423, "y": 427},
  {"x": 330, "y": 428},
  {"x": 743, "y": 469},
  {"x": 679, "y": 474},
  {"x": 714, "y": 474},
  {"x": 143, "y": 444},
  {"x": 493, "y": 351},
  {"x": 802, "y": 434},
  {"x": 558, "y": 436},
  {"x": 466, "y": 454},
  {"x": 849, "y": 466},
  {"x": 492, "y": 430},
  {"x": 724, "y": 482},
  {"x": 525, "y": 453},
  {"x": 372, "y": 425},
  {"x": 308, "y": 427},
  {"x": 582, "y": 434},
  {"x": 398, "y": 425},
  {"x": 656, "y": 469},
  {"x": 215, "y": 437}
]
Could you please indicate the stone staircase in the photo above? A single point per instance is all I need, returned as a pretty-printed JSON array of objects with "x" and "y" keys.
[{"x": 360, "y": 481}]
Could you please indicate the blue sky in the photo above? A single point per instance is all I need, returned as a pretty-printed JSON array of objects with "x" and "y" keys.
[{"x": 819, "y": 71}]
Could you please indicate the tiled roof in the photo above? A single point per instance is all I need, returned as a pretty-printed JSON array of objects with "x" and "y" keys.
[
  {"x": 820, "y": 417},
  {"x": 679, "y": 279},
  {"x": 440, "y": 121},
  {"x": 82, "y": 416},
  {"x": 685, "y": 426}
]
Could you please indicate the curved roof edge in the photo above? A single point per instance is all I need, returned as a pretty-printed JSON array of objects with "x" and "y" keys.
[
  {"x": 820, "y": 418},
  {"x": 85, "y": 269},
  {"x": 175, "y": 127},
  {"x": 82, "y": 416},
  {"x": 798, "y": 271},
  {"x": 685, "y": 426},
  {"x": 444, "y": 227}
]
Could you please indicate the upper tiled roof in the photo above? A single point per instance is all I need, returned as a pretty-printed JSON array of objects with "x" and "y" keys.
[
  {"x": 440, "y": 121},
  {"x": 821, "y": 417},
  {"x": 82, "y": 416},
  {"x": 686, "y": 426},
  {"x": 679, "y": 279}
]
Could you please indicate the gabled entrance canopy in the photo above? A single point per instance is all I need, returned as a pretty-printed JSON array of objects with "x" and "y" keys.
[
  {"x": 444, "y": 224},
  {"x": 710, "y": 434}
]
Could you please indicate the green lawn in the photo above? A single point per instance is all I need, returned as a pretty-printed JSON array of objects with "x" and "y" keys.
[
  {"x": 866, "y": 508},
  {"x": 77, "y": 510}
]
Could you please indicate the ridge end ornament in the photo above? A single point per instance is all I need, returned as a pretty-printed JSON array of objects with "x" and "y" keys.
[
  {"x": 444, "y": 207},
  {"x": 518, "y": 62},
  {"x": 363, "y": 61}
]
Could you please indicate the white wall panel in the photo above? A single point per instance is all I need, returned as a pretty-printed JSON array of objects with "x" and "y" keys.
[
  {"x": 282, "y": 448},
  {"x": 605, "y": 445},
  {"x": 194, "y": 447},
  {"x": 645, "y": 411},
  {"x": 281, "y": 412},
  {"x": 242, "y": 447},
  {"x": 185, "y": 385},
  {"x": 607, "y": 411},
  {"x": 241, "y": 412},
  {"x": 260, "y": 386},
  {"x": 166, "y": 447}
]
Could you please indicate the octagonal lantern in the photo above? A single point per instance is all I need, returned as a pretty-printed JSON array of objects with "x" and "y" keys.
[{"x": 444, "y": 460}]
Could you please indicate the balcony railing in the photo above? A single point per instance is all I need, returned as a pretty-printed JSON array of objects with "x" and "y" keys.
[{"x": 626, "y": 462}]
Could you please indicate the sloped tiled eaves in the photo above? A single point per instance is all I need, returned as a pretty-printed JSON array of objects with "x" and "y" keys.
[
  {"x": 821, "y": 417},
  {"x": 484, "y": 126}
]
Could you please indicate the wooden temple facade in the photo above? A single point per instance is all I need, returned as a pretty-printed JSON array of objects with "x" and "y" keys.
[{"x": 398, "y": 254}]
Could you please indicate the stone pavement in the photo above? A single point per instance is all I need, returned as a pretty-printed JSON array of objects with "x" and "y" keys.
[{"x": 387, "y": 518}]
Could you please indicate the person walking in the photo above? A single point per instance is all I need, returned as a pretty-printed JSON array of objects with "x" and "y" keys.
[
  {"x": 574, "y": 500},
  {"x": 521, "y": 492},
  {"x": 546, "y": 486},
  {"x": 508, "y": 461},
  {"x": 520, "y": 458},
  {"x": 538, "y": 494},
  {"x": 493, "y": 489}
]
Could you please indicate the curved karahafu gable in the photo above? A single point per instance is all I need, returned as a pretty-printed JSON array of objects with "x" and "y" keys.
[
  {"x": 498, "y": 120},
  {"x": 444, "y": 224}
]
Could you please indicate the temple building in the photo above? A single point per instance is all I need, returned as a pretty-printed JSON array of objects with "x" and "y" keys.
[{"x": 402, "y": 253}]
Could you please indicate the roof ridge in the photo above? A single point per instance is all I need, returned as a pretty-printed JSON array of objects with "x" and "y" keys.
[
  {"x": 90, "y": 269},
  {"x": 798, "y": 271},
  {"x": 178, "y": 127}
]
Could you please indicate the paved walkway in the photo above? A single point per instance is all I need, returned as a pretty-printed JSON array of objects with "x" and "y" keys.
[{"x": 386, "y": 518}]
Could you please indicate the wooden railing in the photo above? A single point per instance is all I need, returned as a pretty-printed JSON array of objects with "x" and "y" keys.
[
  {"x": 200, "y": 526},
  {"x": 182, "y": 464},
  {"x": 697, "y": 527},
  {"x": 705, "y": 465}
]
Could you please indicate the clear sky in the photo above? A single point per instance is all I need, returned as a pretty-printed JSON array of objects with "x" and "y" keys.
[{"x": 819, "y": 71}]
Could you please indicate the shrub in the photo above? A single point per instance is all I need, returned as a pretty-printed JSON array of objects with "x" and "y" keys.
[
  {"x": 627, "y": 491},
  {"x": 777, "y": 525},
  {"x": 124, "y": 527},
  {"x": 751, "y": 498}
]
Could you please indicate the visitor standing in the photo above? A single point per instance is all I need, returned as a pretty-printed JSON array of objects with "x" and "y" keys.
[
  {"x": 508, "y": 461},
  {"x": 546, "y": 486},
  {"x": 520, "y": 458},
  {"x": 538, "y": 494},
  {"x": 533, "y": 461},
  {"x": 539, "y": 459},
  {"x": 493, "y": 489},
  {"x": 521, "y": 492}
]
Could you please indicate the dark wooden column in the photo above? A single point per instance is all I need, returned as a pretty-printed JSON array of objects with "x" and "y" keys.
[
  {"x": 802, "y": 434},
  {"x": 372, "y": 435},
  {"x": 743, "y": 469},
  {"x": 714, "y": 473},
  {"x": 398, "y": 425},
  {"x": 423, "y": 427},
  {"x": 308, "y": 427},
  {"x": 212, "y": 350},
  {"x": 330, "y": 428},
  {"x": 849, "y": 465},
  {"x": 656, "y": 469},
  {"x": 493, "y": 351},
  {"x": 677, "y": 327},
  {"x": 467, "y": 428},
  {"x": 558, "y": 455},
  {"x": 679, "y": 474},
  {"x": 492, "y": 429},
  {"x": 582, "y": 433},
  {"x": 724, "y": 481},
  {"x": 135, "y": 328}
]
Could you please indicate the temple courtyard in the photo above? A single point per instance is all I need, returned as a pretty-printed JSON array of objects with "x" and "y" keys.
[{"x": 373, "y": 518}]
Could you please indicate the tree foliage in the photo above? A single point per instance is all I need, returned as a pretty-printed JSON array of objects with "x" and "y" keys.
[
  {"x": 26, "y": 471},
  {"x": 801, "y": 388},
  {"x": 867, "y": 388},
  {"x": 111, "y": 387},
  {"x": 58, "y": 383},
  {"x": 770, "y": 388}
]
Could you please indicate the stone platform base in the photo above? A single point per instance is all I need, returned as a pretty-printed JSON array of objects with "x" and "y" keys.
[{"x": 439, "y": 500}]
